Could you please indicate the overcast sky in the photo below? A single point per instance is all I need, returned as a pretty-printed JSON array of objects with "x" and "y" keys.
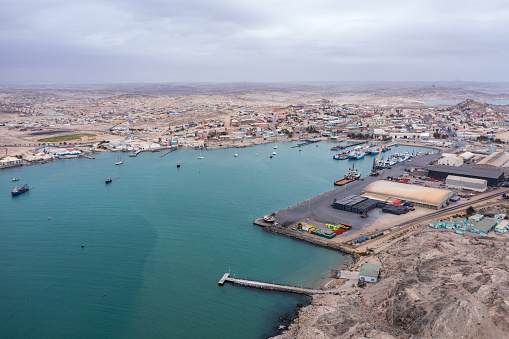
[{"x": 84, "y": 41}]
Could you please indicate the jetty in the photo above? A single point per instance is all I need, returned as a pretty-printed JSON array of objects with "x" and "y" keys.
[
  {"x": 171, "y": 150},
  {"x": 305, "y": 143},
  {"x": 274, "y": 287},
  {"x": 337, "y": 148}
]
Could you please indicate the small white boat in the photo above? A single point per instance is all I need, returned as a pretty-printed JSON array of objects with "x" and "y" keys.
[
  {"x": 15, "y": 179},
  {"x": 275, "y": 147},
  {"x": 119, "y": 162},
  {"x": 200, "y": 157},
  {"x": 273, "y": 153},
  {"x": 235, "y": 155}
]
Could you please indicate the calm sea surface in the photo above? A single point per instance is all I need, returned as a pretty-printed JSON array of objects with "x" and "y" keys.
[{"x": 156, "y": 241}]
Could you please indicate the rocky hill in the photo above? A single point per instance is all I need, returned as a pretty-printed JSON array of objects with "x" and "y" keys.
[
  {"x": 480, "y": 107},
  {"x": 433, "y": 285}
]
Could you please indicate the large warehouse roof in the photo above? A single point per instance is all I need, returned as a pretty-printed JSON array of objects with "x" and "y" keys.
[
  {"x": 466, "y": 179},
  {"x": 424, "y": 195},
  {"x": 467, "y": 171}
]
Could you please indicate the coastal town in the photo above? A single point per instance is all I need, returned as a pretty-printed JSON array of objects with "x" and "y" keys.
[
  {"x": 41, "y": 127},
  {"x": 452, "y": 187}
]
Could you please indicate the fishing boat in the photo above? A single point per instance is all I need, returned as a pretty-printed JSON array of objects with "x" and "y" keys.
[
  {"x": 119, "y": 162},
  {"x": 21, "y": 190},
  {"x": 340, "y": 156},
  {"x": 108, "y": 180},
  {"x": 15, "y": 179}
]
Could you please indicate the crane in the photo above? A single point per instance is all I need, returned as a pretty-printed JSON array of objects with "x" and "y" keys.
[{"x": 374, "y": 171}]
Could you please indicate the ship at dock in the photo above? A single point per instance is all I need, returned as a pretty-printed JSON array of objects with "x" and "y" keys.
[{"x": 21, "y": 190}]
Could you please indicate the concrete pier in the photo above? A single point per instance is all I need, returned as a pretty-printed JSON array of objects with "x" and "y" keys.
[
  {"x": 225, "y": 276},
  {"x": 274, "y": 287}
]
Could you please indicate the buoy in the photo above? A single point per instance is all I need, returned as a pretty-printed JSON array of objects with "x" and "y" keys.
[{"x": 49, "y": 218}]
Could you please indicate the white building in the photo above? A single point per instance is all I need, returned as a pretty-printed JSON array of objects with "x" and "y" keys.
[
  {"x": 10, "y": 161},
  {"x": 479, "y": 185},
  {"x": 450, "y": 160},
  {"x": 369, "y": 272}
]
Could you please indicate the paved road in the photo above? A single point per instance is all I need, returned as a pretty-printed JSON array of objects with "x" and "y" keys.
[{"x": 319, "y": 209}]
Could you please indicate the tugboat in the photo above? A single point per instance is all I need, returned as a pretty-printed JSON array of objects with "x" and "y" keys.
[
  {"x": 353, "y": 173},
  {"x": 108, "y": 180},
  {"x": 18, "y": 191}
]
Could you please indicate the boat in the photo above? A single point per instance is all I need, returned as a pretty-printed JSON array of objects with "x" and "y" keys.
[
  {"x": 133, "y": 154},
  {"x": 271, "y": 156},
  {"x": 340, "y": 156},
  {"x": 119, "y": 162},
  {"x": 200, "y": 157},
  {"x": 178, "y": 164},
  {"x": 108, "y": 180},
  {"x": 235, "y": 155},
  {"x": 275, "y": 147},
  {"x": 273, "y": 153},
  {"x": 15, "y": 179},
  {"x": 353, "y": 173},
  {"x": 356, "y": 154},
  {"x": 268, "y": 219},
  {"x": 21, "y": 190},
  {"x": 154, "y": 150}
]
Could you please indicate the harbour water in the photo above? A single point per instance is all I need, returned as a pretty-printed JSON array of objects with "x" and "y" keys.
[{"x": 141, "y": 256}]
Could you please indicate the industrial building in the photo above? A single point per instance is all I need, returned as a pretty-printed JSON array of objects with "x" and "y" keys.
[
  {"x": 478, "y": 185},
  {"x": 493, "y": 178},
  {"x": 497, "y": 161},
  {"x": 483, "y": 226},
  {"x": 421, "y": 196},
  {"x": 450, "y": 160}
]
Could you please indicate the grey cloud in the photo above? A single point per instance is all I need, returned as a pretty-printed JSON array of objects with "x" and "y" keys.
[{"x": 227, "y": 40}]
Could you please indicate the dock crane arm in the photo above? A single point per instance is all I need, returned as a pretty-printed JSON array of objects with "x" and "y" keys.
[{"x": 374, "y": 172}]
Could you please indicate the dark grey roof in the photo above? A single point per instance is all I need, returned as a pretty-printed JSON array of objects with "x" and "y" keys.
[
  {"x": 484, "y": 225},
  {"x": 467, "y": 171}
]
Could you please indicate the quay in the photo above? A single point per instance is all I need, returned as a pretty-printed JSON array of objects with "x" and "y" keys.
[{"x": 274, "y": 287}]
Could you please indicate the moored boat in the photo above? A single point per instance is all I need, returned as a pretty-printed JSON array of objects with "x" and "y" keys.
[
  {"x": 108, "y": 180},
  {"x": 353, "y": 173},
  {"x": 15, "y": 179}
]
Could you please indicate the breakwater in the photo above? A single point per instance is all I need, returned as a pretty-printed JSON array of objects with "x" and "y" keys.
[{"x": 304, "y": 236}]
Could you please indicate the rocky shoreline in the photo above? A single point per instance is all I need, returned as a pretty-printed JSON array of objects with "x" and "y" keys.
[{"x": 432, "y": 285}]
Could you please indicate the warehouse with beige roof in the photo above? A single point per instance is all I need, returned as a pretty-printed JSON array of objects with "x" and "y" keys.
[{"x": 420, "y": 196}]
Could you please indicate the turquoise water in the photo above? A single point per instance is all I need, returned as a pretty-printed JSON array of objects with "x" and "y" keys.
[{"x": 156, "y": 241}]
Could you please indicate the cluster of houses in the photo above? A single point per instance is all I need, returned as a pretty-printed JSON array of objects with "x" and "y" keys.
[{"x": 475, "y": 224}]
